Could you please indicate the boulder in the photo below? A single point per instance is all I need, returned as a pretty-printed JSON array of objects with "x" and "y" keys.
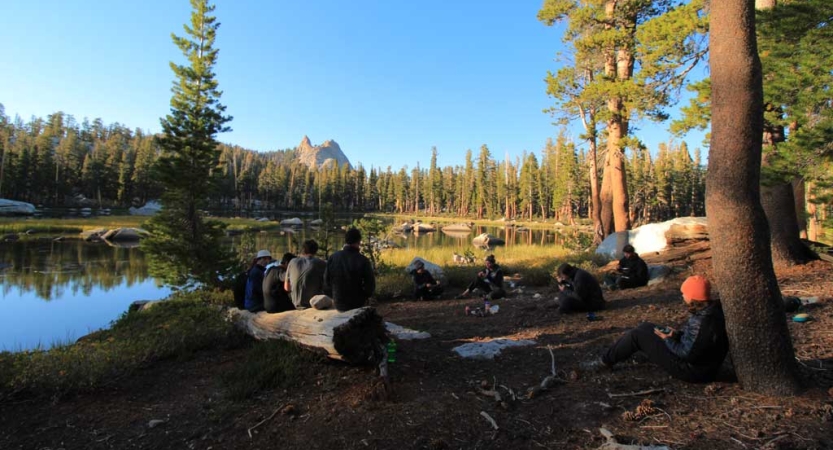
[
  {"x": 487, "y": 240},
  {"x": 151, "y": 208},
  {"x": 93, "y": 235},
  {"x": 657, "y": 274},
  {"x": 15, "y": 208},
  {"x": 654, "y": 237},
  {"x": 435, "y": 270},
  {"x": 457, "y": 227},
  {"x": 423, "y": 228},
  {"x": 293, "y": 222},
  {"x": 124, "y": 235}
]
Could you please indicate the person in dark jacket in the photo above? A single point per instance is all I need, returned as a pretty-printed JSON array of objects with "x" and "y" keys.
[
  {"x": 632, "y": 271},
  {"x": 578, "y": 290},
  {"x": 254, "y": 284},
  {"x": 349, "y": 274},
  {"x": 489, "y": 281},
  {"x": 695, "y": 352},
  {"x": 425, "y": 286},
  {"x": 275, "y": 298}
]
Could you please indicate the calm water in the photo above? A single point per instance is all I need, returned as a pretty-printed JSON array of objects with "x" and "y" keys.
[{"x": 59, "y": 291}]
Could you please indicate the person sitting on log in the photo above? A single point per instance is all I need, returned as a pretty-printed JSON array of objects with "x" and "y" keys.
[
  {"x": 425, "y": 286},
  {"x": 305, "y": 275},
  {"x": 694, "y": 353},
  {"x": 489, "y": 281},
  {"x": 349, "y": 274},
  {"x": 275, "y": 298},
  {"x": 254, "y": 284},
  {"x": 632, "y": 271},
  {"x": 578, "y": 290}
]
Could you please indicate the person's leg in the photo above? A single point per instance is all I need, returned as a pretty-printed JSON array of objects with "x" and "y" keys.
[
  {"x": 421, "y": 292},
  {"x": 496, "y": 294},
  {"x": 569, "y": 302},
  {"x": 624, "y": 282},
  {"x": 642, "y": 338},
  {"x": 435, "y": 291}
]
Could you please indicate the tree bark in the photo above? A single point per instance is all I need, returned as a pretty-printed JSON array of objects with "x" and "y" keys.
[
  {"x": 800, "y": 206},
  {"x": 759, "y": 338},
  {"x": 779, "y": 204},
  {"x": 606, "y": 198},
  {"x": 354, "y": 336},
  {"x": 595, "y": 200}
]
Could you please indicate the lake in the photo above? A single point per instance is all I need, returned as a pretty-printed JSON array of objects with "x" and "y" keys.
[{"x": 55, "y": 292}]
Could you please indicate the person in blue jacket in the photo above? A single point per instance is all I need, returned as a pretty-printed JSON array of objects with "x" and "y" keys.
[
  {"x": 254, "y": 284},
  {"x": 695, "y": 352}
]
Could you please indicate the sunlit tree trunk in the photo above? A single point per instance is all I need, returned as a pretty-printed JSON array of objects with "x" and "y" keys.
[{"x": 759, "y": 339}]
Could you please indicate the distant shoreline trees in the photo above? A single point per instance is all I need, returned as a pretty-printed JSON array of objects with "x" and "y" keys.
[{"x": 50, "y": 161}]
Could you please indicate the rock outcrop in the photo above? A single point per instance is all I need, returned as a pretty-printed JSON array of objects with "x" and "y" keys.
[
  {"x": 151, "y": 208},
  {"x": 15, "y": 208},
  {"x": 320, "y": 155}
]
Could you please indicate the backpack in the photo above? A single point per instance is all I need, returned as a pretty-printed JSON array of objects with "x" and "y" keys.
[{"x": 239, "y": 289}]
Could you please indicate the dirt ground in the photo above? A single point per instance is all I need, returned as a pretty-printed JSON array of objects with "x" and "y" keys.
[{"x": 437, "y": 403}]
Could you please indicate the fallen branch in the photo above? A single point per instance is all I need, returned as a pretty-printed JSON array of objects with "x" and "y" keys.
[
  {"x": 636, "y": 394},
  {"x": 489, "y": 418},
  {"x": 264, "y": 421}
]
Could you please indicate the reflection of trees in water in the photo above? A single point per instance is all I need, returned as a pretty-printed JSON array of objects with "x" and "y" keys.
[{"x": 50, "y": 269}]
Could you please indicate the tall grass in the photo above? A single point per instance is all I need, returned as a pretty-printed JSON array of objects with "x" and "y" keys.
[
  {"x": 33, "y": 225},
  {"x": 496, "y": 222},
  {"x": 530, "y": 265},
  {"x": 74, "y": 225}
]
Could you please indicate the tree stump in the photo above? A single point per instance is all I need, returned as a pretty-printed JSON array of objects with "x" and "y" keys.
[{"x": 356, "y": 336}]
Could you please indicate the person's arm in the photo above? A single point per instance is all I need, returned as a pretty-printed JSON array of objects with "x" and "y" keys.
[
  {"x": 681, "y": 342},
  {"x": 257, "y": 283},
  {"x": 641, "y": 271}
]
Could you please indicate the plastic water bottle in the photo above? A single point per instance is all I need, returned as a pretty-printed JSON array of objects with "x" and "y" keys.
[
  {"x": 486, "y": 306},
  {"x": 391, "y": 351}
]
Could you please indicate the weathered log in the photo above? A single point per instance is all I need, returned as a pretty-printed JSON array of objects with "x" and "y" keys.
[{"x": 356, "y": 336}]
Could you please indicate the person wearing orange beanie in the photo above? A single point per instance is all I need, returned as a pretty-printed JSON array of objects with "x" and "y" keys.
[{"x": 695, "y": 352}]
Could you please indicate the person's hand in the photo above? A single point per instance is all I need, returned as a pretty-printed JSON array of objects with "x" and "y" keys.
[
  {"x": 561, "y": 286},
  {"x": 662, "y": 334},
  {"x": 481, "y": 274}
]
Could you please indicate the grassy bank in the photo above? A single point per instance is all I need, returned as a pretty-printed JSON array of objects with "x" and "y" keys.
[
  {"x": 175, "y": 328},
  {"x": 448, "y": 220},
  {"x": 53, "y": 226},
  {"x": 530, "y": 265}
]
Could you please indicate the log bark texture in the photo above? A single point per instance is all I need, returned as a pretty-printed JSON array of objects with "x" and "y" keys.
[{"x": 356, "y": 336}]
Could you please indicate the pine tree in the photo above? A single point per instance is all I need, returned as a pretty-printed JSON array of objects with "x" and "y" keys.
[{"x": 184, "y": 248}]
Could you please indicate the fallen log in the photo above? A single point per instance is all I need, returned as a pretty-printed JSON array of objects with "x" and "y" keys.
[{"x": 356, "y": 336}]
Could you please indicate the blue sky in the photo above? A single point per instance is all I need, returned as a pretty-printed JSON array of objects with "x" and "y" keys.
[{"x": 386, "y": 79}]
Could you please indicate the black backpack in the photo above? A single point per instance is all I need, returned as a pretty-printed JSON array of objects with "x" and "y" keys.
[{"x": 239, "y": 289}]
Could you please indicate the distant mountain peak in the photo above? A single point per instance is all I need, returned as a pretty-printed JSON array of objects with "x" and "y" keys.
[{"x": 321, "y": 155}]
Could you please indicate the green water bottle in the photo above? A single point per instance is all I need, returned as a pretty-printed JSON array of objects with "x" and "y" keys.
[{"x": 391, "y": 351}]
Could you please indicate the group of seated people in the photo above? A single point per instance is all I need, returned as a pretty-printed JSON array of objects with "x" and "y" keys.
[
  {"x": 694, "y": 353},
  {"x": 291, "y": 283}
]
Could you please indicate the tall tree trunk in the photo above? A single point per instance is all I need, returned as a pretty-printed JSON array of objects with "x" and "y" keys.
[
  {"x": 759, "y": 338},
  {"x": 596, "y": 202},
  {"x": 800, "y": 206},
  {"x": 606, "y": 198},
  {"x": 779, "y": 204}
]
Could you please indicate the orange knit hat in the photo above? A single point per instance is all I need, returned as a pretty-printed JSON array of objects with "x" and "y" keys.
[{"x": 696, "y": 288}]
